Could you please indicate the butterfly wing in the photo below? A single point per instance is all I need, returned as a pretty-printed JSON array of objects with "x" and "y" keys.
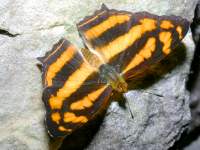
[
  {"x": 153, "y": 46},
  {"x": 102, "y": 30},
  {"x": 131, "y": 41},
  {"x": 73, "y": 91}
]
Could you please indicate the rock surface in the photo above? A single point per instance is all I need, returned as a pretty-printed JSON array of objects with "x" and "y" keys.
[{"x": 29, "y": 28}]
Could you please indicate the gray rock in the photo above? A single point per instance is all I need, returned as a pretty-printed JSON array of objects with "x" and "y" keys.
[
  {"x": 160, "y": 110},
  {"x": 195, "y": 76},
  {"x": 194, "y": 145}
]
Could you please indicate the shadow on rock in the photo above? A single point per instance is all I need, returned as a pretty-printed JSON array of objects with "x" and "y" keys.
[{"x": 186, "y": 139}]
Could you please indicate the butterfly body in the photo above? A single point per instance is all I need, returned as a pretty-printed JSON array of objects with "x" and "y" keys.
[
  {"x": 113, "y": 78},
  {"x": 118, "y": 45}
]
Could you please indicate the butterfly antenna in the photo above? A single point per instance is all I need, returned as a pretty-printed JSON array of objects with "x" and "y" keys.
[
  {"x": 129, "y": 108},
  {"x": 155, "y": 94}
]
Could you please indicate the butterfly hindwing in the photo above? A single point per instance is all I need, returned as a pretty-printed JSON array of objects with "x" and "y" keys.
[
  {"x": 73, "y": 91},
  {"x": 77, "y": 110},
  {"x": 127, "y": 40}
]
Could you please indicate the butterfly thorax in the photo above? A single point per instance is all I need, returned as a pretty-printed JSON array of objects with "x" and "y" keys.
[
  {"x": 107, "y": 72},
  {"x": 113, "y": 78}
]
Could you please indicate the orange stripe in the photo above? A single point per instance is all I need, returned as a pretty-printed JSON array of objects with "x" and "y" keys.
[
  {"x": 63, "y": 129},
  {"x": 88, "y": 100},
  {"x": 179, "y": 30},
  {"x": 143, "y": 54},
  {"x": 56, "y": 117},
  {"x": 166, "y": 24},
  {"x": 55, "y": 67},
  {"x": 71, "y": 117},
  {"x": 71, "y": 85},
  {"x": 91, "y": 19},
  {"x": 112, "y": 21},
  {"x": 166, "y": 39},
  {"x": 123, "y": 42}
]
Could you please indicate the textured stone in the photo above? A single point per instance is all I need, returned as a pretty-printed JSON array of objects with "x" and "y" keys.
[{"x": 159, "y": 106}]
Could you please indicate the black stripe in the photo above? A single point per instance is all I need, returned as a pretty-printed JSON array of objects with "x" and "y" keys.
[
  {"x": 157, "y": 55},
  {"x": 60, "y": 78},
  {"x": 53, "y": 57},
  {"x": 120, "y": 29},
  {"x": 79, "y": 94},
  {"x": 88, "y": 112},
  {"x": 96, "y": 21},
  {"x": 175, "y": 40},
  {"x": 91, "y": 84},
  {"x": 67, "y": 70},
  {"x": 178, "y": 21},
  {"x": 128, "y": 54},
  {"x": 97, "y": 105},
  {"x": 58, "y": 53},
  {"x": 112, "y": 33},
  {"x": 52, "y": 127},
  {"x": 94, "y": 109}
]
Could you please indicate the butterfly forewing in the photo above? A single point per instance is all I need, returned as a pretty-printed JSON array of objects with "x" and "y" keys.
[
  {"x": 103, "y": 27},
  {"x": 154, "y": 45},
  {"x": 73, "y": 91}
]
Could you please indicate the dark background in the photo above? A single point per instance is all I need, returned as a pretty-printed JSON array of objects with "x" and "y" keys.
[{"x": 190, "y": 139}]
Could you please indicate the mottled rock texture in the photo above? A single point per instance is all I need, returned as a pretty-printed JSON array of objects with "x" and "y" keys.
[{"x": 159, "y": 102}]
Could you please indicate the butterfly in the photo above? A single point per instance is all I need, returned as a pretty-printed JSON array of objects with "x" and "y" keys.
[{"x": 118, "y": 44}]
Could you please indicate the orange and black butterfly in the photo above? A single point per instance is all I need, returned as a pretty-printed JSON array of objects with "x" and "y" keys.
[{"x": 118, "y": 44}]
